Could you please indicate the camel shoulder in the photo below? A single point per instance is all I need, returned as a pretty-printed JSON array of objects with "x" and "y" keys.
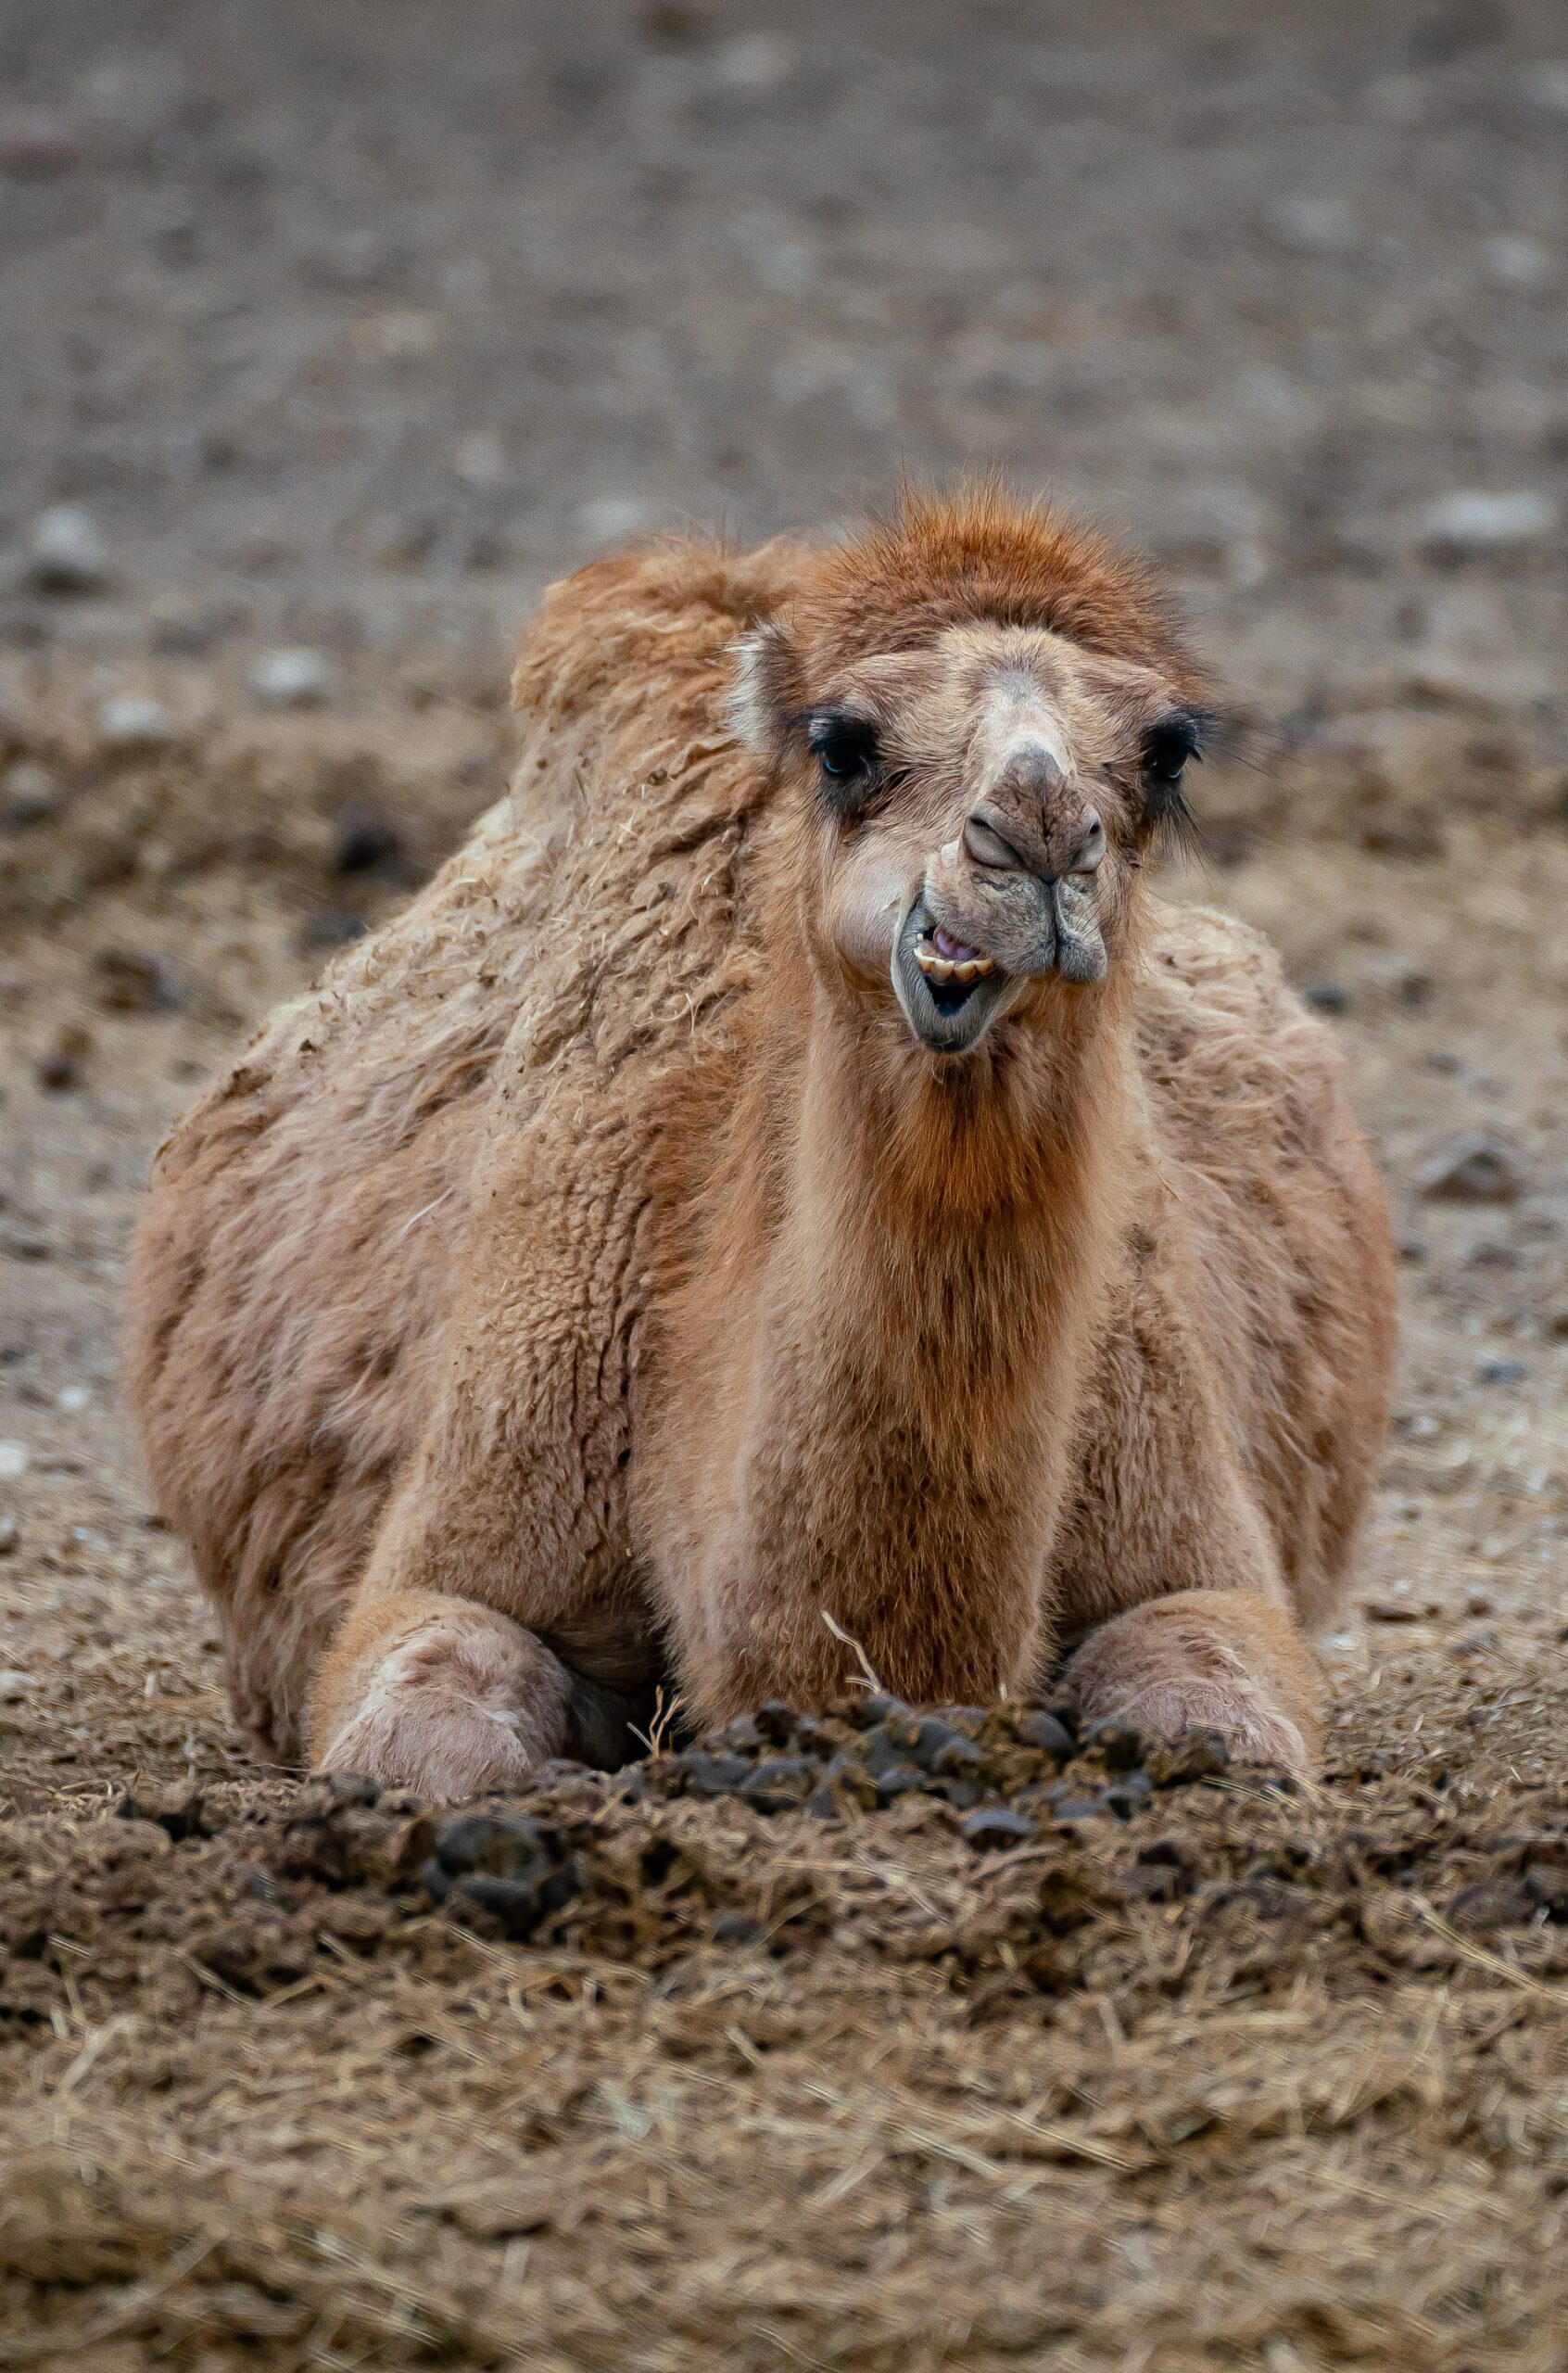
[{"x": 1224, "y": 1043}]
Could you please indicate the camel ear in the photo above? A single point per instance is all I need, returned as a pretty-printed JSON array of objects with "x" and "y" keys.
[{"x": 764, "y": 694}]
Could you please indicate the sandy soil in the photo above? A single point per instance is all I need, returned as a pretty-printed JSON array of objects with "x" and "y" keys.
[{"x": 351, "y": 335}]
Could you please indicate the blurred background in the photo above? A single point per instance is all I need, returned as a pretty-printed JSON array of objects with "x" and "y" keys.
[{"x": 341, "y": 325}]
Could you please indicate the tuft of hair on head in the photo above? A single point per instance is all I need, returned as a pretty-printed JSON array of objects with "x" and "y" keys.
[
  {"x": 980, "y": 554},
  {"x": 764, "y": 688}
]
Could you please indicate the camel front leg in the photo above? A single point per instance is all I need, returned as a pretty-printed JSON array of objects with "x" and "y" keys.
[
  {"x": 1231, "y": 1661},
  {"x": 498, "y": 1623},
  {"x": 424, "y": 1690}
]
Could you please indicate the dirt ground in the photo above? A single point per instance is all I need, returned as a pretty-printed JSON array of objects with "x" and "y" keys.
[{"x": 350, "y": 327}]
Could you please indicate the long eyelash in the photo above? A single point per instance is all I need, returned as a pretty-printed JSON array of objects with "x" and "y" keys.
[{"x": 1177, "y": 831}]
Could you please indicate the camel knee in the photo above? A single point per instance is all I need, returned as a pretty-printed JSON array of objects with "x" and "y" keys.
[
  {"x": 1224, "y": 1660},
  {"x": 438, "y": 1694}
]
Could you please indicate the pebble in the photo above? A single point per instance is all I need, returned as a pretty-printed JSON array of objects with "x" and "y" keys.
[
  {"x": 995, "y": 1826},
  {"x": 29, "y": 793},
  {"x": 367, "y": 841},
  {"x": 1327, "y": 996},
  {"x": 292, "y": 678},
  {"x": 1513, "y": 261},
  {"x": 1478, "y": 1601},
  {"x": 37, "y": 145},
  {"x": 1043, "y": 1729},
  {"x": 1396, "y": 1609},
  {"x": 66, "y": 552},
  {"x": 1501, "y": 1372},
  {"x": 1408, "y": 834},
  {"x": 15, "y": 1460},
  {"x": 1476, "y": 1170},
  {"x": 130, "y": 722},
  {"x": 11, "y": 1534},
  {"x": 609, "y": 517},
  {"x": 1471, "y": 520},
  {"x": 60, "y": 1065},
  {"x": 1323, "y": 226},
  {"x": 754, "y": 62},
  {"x": 131, "y": 982},
  {"x": 72, "y": 1398},
  {"x": 14, "y": 1685}
]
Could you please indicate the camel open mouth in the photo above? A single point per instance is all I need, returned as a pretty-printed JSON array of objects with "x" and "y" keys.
[{"x": 948, "y": 992}]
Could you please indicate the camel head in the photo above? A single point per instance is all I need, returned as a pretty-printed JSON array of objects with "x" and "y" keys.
[{"x": 980, "y": 768}]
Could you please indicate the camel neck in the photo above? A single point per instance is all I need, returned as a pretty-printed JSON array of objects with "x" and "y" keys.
[{"x": 889, "y": 1349}]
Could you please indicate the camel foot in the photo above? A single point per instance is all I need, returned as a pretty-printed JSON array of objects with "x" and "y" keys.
[
  {"x": 1218, "y": 1660},
  {"x": 441, "y": 1695}
]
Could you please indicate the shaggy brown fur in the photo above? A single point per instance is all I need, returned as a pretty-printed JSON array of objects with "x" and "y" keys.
[{"x": 632, "y": 1253}]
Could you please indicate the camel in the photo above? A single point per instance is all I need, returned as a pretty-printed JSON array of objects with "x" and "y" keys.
[{"x": 787, "y": 1179}]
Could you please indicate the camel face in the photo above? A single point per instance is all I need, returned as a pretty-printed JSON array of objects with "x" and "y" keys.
[{"x": 981, "y": 805}]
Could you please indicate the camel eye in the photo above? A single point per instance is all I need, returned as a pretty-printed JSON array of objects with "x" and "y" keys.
[
  {"x": 845, "y": 749},
  {"x": 1167, "y": 746}
]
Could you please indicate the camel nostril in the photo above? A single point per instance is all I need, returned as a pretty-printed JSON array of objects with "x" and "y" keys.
[
  {"x": 1091, "y": 848},
  {"x": 988, "y": 846}
]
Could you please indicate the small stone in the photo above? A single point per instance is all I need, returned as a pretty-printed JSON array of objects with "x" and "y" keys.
[
  {"x": 1077, "y": 1809},
  {"x": 779, "y": 1781},
  {"x": 1323, "y": 226},
  {"x": 1474, "y": 1172},
  {"x": 996, "y": 1825},
  {"x": 711, "y": 1775},
  {"x": 128, "y": 722},
  {"x": 131, "y": 982},
  {"x": 1128, "y": 1795},
  {"x": 60, "y": 1066},
  {"x": 35, "y": 144},
  {"x": 66, "y": 552},
  {"x": 1472, "y": 520},
  {"x": 874, "y": 1708},
  {"x": 1119, "y": 1743},
  {"x": 14, "y": 1685},
  {"x": 29, "y": 794},
  {"x": 72, "y": 1398},
  {"x": 1406, "y": 834},
  {"x": 1513, "y": 261},
  {"x": 11, "y": 1534},
  {"x": 367, "y": 842},
  {"x": 15, "y": 1460},
  {"x": 1037, "y": 1729},
  {"x": 1501, "y": 1372},
  {"x": 1327, "y": 996},
  {"x": 1478, "y": 1601},
  {"x": 609, "y": 518},
  {"x": 755, "y": 63},
  {"x": 294, "y": 678},
  {"x": 177, "y": 1810},
  {"x": 1393, "y": 1610}
]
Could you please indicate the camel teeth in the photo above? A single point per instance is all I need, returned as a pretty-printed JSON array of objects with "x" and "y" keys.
[{"x": 943, "y": 969}]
